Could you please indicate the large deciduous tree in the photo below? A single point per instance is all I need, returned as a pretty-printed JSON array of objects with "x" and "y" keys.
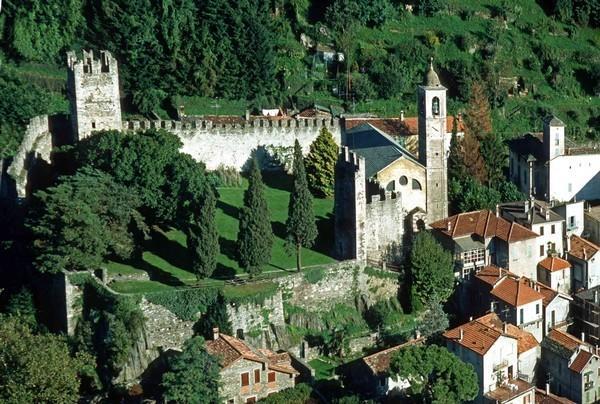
[
  {"x": 320, "y": 164},
  {"x": 300, "y": 225},
  {"x": 82, "y": 220},
  {"x": 36, "y": 368},
  {"x": 435, "y": 374},
  {"x": 203, "y": 237},
  {"x": 255, "y": 236},
  {"x": 431, "y": 270},
  {"x": 193, "y": 375}
]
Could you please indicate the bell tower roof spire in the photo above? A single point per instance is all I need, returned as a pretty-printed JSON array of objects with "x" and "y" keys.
[{"x": 431, "y": 78}]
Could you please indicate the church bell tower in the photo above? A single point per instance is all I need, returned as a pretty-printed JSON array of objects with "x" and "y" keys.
[{"x": 432, "y": 143}]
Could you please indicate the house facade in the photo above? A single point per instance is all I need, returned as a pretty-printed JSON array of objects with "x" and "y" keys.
[
  {"x": 571, "y": 367},
  {"x": 493, "y": 350},
  {"x": 483, "y": 238},
  {"x": 586, "y": 314},
  {"x": 584, "y": 258},
  {"x": 249, "y": 374},
  {"x": 555, "y": 273},
  {"x": 557, "y": 309}
]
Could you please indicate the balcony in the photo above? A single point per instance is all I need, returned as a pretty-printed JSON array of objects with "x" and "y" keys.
[
  {"x": 588, "y": 385},
  {"x": 500, "y": 365}
]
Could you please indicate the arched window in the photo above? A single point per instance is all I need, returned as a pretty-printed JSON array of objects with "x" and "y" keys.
[
  {"x": 403, "y": 180},
  {"x": 391, "y": 186},
  {"x": 416, "y": 185},
  {"x": 435, "y": 106}
]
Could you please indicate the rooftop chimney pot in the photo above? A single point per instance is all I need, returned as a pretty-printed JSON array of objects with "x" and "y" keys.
[{"x": 216, "y": 333}]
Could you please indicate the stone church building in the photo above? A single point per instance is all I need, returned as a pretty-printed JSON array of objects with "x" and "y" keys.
[{"x": 383, "y": 192}]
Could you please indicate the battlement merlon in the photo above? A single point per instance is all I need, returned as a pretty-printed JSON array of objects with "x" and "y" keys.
[
  {"x": 88, "y": 64},
  {"x": 351, "y": 158}
]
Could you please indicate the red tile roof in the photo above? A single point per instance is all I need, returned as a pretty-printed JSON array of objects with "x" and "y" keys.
[
  {"x": 525, "y": 340},
  {"x": 580, "y": 361},
  {"x": 541, "y": 397},
  {"x": 564, "y": 339},
  {"x": 516, "y": 292},
  {"x": 491, "y": 274},
  {"x": 582, "y": 248},
  {"x": 482, "y": 223},
  {"x": 554, "y": 264},
  {"x": 548, "y": 293},
  {"x": 229, "y": 350},
  {"x": 398, "y": 127},
  {"x": 478, "y": 336},
  {"x": 379, "y": 362}
]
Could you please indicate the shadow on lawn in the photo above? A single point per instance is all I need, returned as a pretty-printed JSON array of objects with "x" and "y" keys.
[
  {"x": 228, "y": 209},
  {"x": 170, "y": 251},
  {"x": 324, "y": 241},
  {"x": 277, "y": 180},
  {"x": 154, "y": 273}
]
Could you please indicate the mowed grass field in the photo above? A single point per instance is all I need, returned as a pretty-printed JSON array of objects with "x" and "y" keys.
[{"x": 167, "y": 262}]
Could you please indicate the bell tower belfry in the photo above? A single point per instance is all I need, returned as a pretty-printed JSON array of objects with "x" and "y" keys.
[{"x": 432, "y": 143}]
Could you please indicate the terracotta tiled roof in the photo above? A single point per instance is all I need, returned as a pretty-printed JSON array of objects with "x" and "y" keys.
[
  {"x": 541, "y": 397},
  {"x": 483, "y": 223},
  {"x": 491, "y": 274},
  {"x": 478, "y": 336},
  {"x": 229, "y": 349},
  {"x": 525, "y": 340},
  {"x": 313, "y": 113},
  {"x": 379, "y": 362},
  {"x": 548, "y": 293},
  {"x": 582, "y": 248},
  {"x": 580, "y": 361},
  {"x": 554, "y": 264},
  {"x": 516, "y": 292},
  {"x": 564, "y": 339},
  {"x": 398, "y": 127}
]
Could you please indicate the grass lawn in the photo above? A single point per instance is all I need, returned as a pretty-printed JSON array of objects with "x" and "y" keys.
[
  {"x": 324, "y": 368},
  {"x": 167, "y": 262}
]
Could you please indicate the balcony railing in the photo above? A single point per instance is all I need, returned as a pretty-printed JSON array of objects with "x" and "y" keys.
[
  {"x": 588, "y": 385},
  {"x": 501, "y": 365}
]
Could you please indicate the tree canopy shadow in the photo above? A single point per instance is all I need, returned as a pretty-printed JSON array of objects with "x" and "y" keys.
[
  {"x": 154, "y": 273},
  {"x": 277, "y": 180},
  {"x": 169, "y": 250},
  {"x": 229, "y": 209},
  {"x": 228, "y": 248}
]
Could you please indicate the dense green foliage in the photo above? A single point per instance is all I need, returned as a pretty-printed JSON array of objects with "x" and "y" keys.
[
  {"x": 299, "y": 394},
  {"x": 203, "y": 237},
  {"x": 215, "y": 316},
  {"x": 170, "y": 184},
  {"x": 185, "y": 304},
  {"x": 320, "y": 164},
  {"x": 36, "y": 368},
  {"x": 434, "y": 321},
  {"x": 431, "y": 270},
  {"x": 77, "y": 224},
  {"x": 192, "y": 376},
  {"x": 436, "y": 374},
  {"x": 255, "y": 235},
  {"x": 300, "y": 225}
]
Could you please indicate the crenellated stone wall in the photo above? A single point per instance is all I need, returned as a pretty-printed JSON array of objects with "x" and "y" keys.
[{"x": 231, "y": 144}]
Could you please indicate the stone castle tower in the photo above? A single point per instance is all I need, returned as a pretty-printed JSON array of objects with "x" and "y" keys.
[
  {"x": 93, "y": 88},
  {"x": 432, "y": 139}
]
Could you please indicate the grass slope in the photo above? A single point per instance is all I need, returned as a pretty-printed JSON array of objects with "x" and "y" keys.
[{"x": 167, "y": 261}]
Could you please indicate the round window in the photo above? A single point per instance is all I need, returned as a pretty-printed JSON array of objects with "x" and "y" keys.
[{"x": 403, "y": 180}]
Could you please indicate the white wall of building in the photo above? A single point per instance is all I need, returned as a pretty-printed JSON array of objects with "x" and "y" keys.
[
  {"x": 554, "y": 238},
  {"x": 528, "y": 362},
  {"x": 523, "y": 258},
  {"x": 574, "y": 176},
  {"x": 532, "y": 318},
  {"x": 560, "y": 305}
]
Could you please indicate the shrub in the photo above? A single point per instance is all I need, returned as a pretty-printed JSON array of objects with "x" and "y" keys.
[
  {"x": 315, "y": 275},
  {"x": 300, "y": 394},
  {"x": 185, "y": 304},
  {"x": 226, "y": 177}
]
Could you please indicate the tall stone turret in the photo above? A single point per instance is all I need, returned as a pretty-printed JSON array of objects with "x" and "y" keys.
[
  {"x": 93, "y": 88},
  {"x": 432, "y": 139}
]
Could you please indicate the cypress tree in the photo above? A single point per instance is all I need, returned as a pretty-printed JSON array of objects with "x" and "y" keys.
[
  {"x": 320, "y": 164},
  {"x": 203, "y": 238},
  {"x": 255, "y": 236},
  {"x": 300, "y": 224}
]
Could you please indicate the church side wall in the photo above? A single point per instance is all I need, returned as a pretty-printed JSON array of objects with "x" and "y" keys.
[
  {"x": 231, "y": 145},
  {"x": 411, "y": 198},
  {"x": 576, "y": 176}
]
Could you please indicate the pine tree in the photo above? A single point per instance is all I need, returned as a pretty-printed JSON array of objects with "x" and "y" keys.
[
  {"x": 255, "y": 236},
  {"x": 477, "y": 120},
  {"x": 300, "y": 224},
  {"x": 320, "y": 164},
  {"x": 203, "y": 238}
]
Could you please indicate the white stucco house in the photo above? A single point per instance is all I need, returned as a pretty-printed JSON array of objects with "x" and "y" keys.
[
  {"x": 495, "y": 349},
  {"x": 542, "y": 165},
  {"x": 555, "y": 273},
  {"x": 585, "y": 260},
  {"x": 557, "y": 309}
]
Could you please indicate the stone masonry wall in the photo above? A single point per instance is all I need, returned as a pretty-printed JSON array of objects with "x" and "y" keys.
[
  {"x": 232, "y": 144},
  {"x": 385, "y": 223},
  {"x": 36, "y": 146}
]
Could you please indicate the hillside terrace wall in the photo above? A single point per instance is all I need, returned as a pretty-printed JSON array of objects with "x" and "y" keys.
[{"x": 231, "y": 143}]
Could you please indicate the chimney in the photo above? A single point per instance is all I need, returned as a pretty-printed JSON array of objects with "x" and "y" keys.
[
  {"x": 584, "y": 254},
  {"x": 568, "y": 244},
  {"x": 247, "y": 115},
  {"x": 461, "y": 334},
  {"x": 547, "y": 212},
  {"x": 497, "y": 210},
  {"x": 504, "y": 327},
  {"x": 583, "y": 336},
  {"x": 460, "y": 117},
  {"x": 491, "y": 307},
  {"x": 417, "y": 334},
  {"x": 596, "y": 296},
  {"x": 470, "y": 318},
  {"x": 449, "y": 226},
  {"x": 402, "y": 116},
  {"x": 547, "y": 389},
  {"x": 526, "y": 206},
  {"x": 216, "y": 333}
]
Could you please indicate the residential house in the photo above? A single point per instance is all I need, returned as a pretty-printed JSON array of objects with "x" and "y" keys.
[
  {"x": 557, "y": 308},
  {"x": 249, "y": 374},
  {"x": 539, "y": 218},
  {"x": 586, "y": 313},
  {"x": 542, "y": 165},
  {"x": 591, "y": 223},
  {"x": 572, "y": 212},
  {"x": 493, "y": 351},
  {"x": 585, "y": 261},
  {"x": 571, "y": 367},
  {"x": 555, "y": 273},
  {"x": 371, "y": 376},
  {"x": 482, "y": 238}
]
